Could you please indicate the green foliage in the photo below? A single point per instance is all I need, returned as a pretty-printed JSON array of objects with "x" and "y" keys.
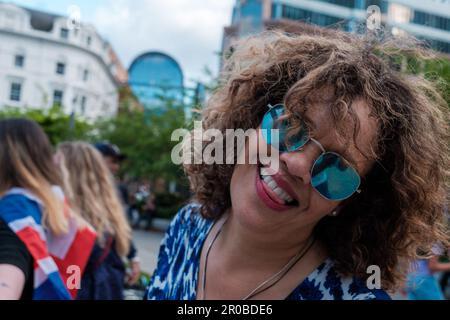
[
  {"x": 167, "y": 204},
  {"x": 145, "y": 137},
  {"x": 436, "y": 70},
  {"x": 439, "y": 71},
  {"x": 57, "y": 125}
]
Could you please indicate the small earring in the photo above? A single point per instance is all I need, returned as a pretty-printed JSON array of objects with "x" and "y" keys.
[{"x": 334, "y": 213}]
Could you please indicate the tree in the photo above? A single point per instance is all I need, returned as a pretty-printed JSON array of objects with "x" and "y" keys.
[
  {"x": 433, "y": 67},
  {"x": 145, "y": 137},
  {"x": 57, "y": 125}
]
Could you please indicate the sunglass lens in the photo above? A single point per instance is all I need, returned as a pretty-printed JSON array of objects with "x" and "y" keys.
[
  {"x": 333, "y": 178},
  {"x": 284, "y": 144},
  {"x": 296, "y": 141},
  {"x": 269, "y": 123}
]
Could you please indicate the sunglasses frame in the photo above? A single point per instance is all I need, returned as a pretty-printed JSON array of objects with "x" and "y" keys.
[{"x": 323, "y": 152}]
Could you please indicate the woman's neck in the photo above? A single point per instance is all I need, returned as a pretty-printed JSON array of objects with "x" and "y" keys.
[{"x": 251, "y": 247}]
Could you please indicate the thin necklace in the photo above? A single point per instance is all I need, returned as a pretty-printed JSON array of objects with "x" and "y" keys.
[{"x": 266, "y": 284}]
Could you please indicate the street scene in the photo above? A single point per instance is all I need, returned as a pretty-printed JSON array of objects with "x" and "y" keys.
[{"x": 224, "y": 150}]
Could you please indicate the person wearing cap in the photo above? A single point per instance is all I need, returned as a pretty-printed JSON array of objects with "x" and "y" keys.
[
  {"x": 113, "y": 158},
  {"x": 112, "y": 155}
]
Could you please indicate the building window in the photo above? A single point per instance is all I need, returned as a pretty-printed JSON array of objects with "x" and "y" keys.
[
  {"x": 58, "y": 97},
  {"x": 431, "y": 20},
  {"x": 64, "y": 33},
  {"x": 60, "y": 68},
  {"x": 19, "y": 60},
  {"x": 83, "y": 104},
  {"x": 85, "y": 75},
  {"x": 89, "y": 41},
  {"x": 439, "y": 45},
  {"x": 16, "y": 90},
  {"x": 308, "y": 16},
  {"x": 344, "y": 3}
]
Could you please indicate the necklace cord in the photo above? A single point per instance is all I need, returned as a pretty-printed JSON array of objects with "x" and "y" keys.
[
  {"x": 206, "y": 259},
  {"x": 270, "y": 282},
  {"x": 266, "y": 285}
]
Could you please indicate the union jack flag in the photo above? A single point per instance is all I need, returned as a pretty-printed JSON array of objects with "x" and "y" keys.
[{"x": 52, "y": 255}]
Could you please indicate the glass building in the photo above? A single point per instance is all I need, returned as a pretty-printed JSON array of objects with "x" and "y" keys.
[
  {"x": 154, "y": 76},
  {"x": 428, "y": 20}
]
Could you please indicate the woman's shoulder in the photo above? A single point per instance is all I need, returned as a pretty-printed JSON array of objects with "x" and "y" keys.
[
  {"x": 189, "y": 222},
  {"x": 326, "y": 283},
  {"x": 17, "y": 204},
  {"x": 187, "y": 230},
  {"x": 175, "y": 275}
]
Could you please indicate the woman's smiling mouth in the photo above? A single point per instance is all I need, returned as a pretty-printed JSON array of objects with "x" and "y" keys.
[{"x": 273, "y": 192}]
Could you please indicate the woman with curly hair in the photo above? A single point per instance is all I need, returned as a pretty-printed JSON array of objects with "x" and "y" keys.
[{"x": 360, "y": 186}]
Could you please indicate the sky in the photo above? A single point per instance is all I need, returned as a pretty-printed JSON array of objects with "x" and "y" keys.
[{"x": 188, "y": 30}]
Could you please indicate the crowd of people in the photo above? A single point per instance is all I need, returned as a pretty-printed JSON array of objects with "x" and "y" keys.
[
  {"x": 362, "y": 182},
  {"x": 60, "y": 209}
]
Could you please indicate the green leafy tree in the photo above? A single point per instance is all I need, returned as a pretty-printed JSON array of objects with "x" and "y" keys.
[
  {"x": 57, "y": 125},
  {"x": 435, "y": 68},
  {"x": 146, "y": 139},
  {"x": 438, "y": 70}
]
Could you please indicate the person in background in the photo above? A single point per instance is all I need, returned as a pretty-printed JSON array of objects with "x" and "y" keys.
[
  {"x": 113, "y": 158},
  {"x": 149, "y": 210},
  {"x": 91, "y": 190},
  {"x": 443, "y": 282},
  {"x": 39, "y": 233},
  {"x": 422, "y": 283}
]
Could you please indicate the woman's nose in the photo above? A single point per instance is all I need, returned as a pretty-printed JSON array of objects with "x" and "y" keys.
[{"x": 299, "y": 163}]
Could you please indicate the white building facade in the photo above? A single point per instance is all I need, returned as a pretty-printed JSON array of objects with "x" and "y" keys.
[{"x": 46, "y": 60}]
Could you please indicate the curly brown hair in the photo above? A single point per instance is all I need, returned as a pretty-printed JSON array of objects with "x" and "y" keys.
[{"x": 400, "y": 211}]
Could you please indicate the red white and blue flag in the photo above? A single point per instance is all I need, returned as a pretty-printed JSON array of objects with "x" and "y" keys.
[{"x": 53, "y": 256}]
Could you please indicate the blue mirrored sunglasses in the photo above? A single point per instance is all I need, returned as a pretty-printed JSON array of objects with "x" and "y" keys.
[{"x": 331, "y": 175}]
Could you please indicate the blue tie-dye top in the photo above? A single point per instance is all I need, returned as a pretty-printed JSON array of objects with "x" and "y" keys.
[{"x": 176, "y": 275}]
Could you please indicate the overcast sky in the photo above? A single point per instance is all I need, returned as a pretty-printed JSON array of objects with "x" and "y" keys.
[{"x": 188, "y": 30}]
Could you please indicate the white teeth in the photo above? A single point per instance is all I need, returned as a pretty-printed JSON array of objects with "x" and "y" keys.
[
  {"x": 274, "y": 186},
  {"x": 279, "y": 192},
  {"x": 282, "y": 194}
]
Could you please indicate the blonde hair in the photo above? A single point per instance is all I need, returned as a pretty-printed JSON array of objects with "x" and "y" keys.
[
  {"x": 89, "y": 187},
  {"x": 26, "y": 162}
]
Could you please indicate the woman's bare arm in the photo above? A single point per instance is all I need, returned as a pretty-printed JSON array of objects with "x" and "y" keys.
[
  {"x": 12, "y": 282},
  {"x": 436, "y": 266}
]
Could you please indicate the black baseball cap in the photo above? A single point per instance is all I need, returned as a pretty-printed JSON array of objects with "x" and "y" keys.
[{"x": 110, "y": 150}]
